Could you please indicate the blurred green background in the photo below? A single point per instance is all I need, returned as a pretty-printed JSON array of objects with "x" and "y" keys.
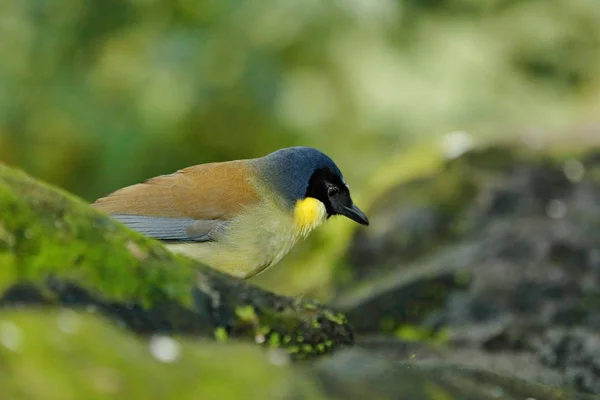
[{"x": 99, "y": 94}]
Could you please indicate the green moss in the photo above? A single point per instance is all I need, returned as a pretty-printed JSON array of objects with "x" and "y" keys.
[
  {"x": 412, "y": 333},
  {"x": 416, "y": 333},
  {"x": 246, "y": 314},
  {"x": 311, "y": 305},
  {"x": 315, "y": 323},
  {"x": 307, "y": 349},
  {"x": 337, "y": 318},
  {"x": 221, "y": 334},
  {"x": 54, "y": 234},
  {"x": 274, "y": 340},
  {"x": 59, "y": 355},
  {"x": 264, "y": 329}
]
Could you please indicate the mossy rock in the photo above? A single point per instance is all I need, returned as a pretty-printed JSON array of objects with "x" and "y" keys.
[
  {"x": 56, "y": 250},
  {"x": 63, "y": 354}
]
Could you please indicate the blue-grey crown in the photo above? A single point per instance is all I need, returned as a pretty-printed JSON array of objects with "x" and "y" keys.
[{"x": 289, "y": 170}]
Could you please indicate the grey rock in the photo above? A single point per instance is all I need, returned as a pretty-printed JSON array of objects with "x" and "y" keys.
[{"x": 497, "y": 250}]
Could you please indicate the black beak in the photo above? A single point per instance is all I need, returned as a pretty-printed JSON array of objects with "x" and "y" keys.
[{"x": 355, "y": 214}]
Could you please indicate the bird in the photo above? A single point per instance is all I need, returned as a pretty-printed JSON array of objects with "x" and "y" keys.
[{"x": 239, "y": 217}]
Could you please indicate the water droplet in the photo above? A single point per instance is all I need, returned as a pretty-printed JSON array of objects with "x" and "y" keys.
[
  {"x": 574, "y": 170},
  {"x": 10, "y": 335},
  {"x": 259, "y": 338},
  {"x": 454, "y": 144},
  {"x": 556, "y": 209},
  {"x": 164, "y": 348},
  {"x": 68, "y": 321},
  {"x": 278, "y": 357}
]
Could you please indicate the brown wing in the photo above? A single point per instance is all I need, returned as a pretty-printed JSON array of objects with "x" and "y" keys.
[{"x": 186, "y": 205}]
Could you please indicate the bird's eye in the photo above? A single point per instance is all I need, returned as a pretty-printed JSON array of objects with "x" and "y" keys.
[{"x": 333, "y": 191}]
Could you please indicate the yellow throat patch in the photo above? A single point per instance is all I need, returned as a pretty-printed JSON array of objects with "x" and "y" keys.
[{"x": 308, "y": 214}]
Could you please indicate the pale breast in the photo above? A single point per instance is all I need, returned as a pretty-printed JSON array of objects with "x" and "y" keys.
[{"x": 253, "y": 242}]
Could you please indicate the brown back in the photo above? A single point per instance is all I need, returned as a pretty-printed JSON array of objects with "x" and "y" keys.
[{"x": 202, "y": 192}]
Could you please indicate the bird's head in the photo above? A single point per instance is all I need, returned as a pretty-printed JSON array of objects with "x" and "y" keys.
[{"x": 310, "y": 183}]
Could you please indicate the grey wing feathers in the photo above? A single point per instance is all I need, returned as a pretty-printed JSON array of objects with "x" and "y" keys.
[{"x": 174, "y": 229}]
